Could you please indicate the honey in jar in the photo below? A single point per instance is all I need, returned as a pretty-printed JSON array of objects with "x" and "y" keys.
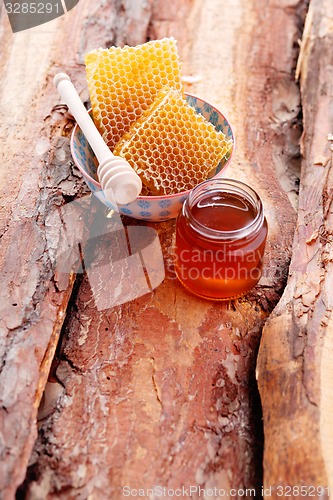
[{"x": 220, "y": 239}]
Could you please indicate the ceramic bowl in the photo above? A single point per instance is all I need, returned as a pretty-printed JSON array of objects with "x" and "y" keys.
[{"x": 150, "y": 208}]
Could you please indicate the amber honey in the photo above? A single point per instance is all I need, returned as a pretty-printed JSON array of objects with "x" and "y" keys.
[{"x": 220, "y": 239}]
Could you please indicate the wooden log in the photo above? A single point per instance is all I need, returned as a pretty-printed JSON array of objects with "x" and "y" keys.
[
  {"x": 161, "y": 390},
  {"x": 37, "y": 176},
  {"x": 294, "y": 366}
]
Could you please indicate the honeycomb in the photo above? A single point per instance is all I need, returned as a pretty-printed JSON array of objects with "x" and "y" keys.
[
  {"x": 172, "y": 147},
  {"x": 124, "y": 81}
]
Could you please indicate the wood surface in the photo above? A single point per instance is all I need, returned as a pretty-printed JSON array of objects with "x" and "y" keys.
[
  {"x": 160, "y": 390},
  {"x": 295, "y": 358}
]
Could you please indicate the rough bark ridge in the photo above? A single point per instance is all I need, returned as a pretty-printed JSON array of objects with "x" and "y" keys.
[
  {"x": 36, "y": 176},
  {"x": 294, "y": 365},
  {"x": 161, "y": 390}
]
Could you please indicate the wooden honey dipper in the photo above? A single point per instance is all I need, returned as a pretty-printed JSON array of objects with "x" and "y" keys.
[{"x": 120, "y": 183}]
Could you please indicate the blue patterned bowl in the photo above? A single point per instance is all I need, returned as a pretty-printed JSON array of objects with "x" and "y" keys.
[{"x": 152, "y": 208}]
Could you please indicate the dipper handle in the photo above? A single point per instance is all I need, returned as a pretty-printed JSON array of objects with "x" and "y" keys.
[{"x": 116, "y": 175}]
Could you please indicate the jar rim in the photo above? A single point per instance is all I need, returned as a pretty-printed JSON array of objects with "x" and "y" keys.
[{"x": 230, "y": 186}]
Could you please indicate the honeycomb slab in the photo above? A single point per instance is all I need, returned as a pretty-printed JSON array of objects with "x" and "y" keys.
[
  {"x": 172, "y": 147},
  {"x": 124, "y": 81}
]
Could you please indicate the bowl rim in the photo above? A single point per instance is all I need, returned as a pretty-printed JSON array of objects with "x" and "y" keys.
[{"x": 157, "y": 197}]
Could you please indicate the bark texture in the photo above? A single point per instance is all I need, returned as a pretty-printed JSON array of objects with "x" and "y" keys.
[
  {"x": 160, "y": 390},
  {"x": 294, "y": 365},
  {"x": 37, "y": 175}
]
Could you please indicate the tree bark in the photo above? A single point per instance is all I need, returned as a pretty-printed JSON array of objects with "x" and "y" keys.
[
  {"x": 294, "y": 365},
  {"x": 160, "y": 390}
]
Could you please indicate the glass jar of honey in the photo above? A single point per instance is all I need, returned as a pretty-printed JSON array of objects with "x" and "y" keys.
[{"x": 220, "y": 239}]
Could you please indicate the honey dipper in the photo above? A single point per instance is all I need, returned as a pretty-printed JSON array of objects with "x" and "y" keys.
[{"x": 120, "y": 183}]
